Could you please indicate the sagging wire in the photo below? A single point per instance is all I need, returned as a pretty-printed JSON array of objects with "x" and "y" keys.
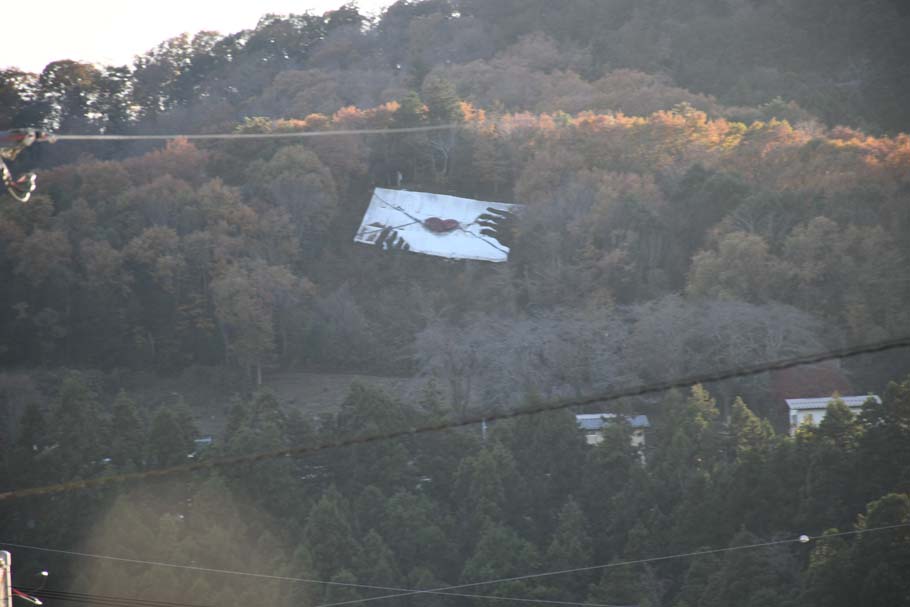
[{"x": 13, "y": 141}]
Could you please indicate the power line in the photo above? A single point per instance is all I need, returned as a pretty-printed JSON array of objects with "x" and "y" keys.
[
  {"x": 445, "y": 590},
  {"x": 119, "y": 602},
  {"x": 100, "y": 599},
  {"x": 642, "y": 390},
  {"x": 85, "y": 601},
  {"x": 281, "y": 578},
  {"x": 294, "y": 135},
  {"x": 624, "y": 563}
]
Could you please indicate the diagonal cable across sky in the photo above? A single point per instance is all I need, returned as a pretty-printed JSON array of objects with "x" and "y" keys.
[
  {"x": 557, "y": 405},
  {"x": 447, "y": 590}
]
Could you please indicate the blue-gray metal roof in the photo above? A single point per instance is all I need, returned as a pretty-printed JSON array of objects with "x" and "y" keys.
[
  {"x": 596, "y": 421},
  {"x": 853, "y": 402}
]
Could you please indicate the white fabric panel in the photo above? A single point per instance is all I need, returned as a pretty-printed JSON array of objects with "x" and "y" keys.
[{"x": 406, "y": 211}]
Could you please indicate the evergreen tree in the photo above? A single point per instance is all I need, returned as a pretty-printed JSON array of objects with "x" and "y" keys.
[
  {"x": 827, "y": 499},
  {"x": 884, "y": 449},
  {"x": 618, "y": 585},
  {"x": 500, "y": 553},
  {"x": 304, "y": 594},
  {"x": 368, "y": 410},
  {"x": 343, "y": 588},
  {"x": 829, "y": 580},
  {"x": 329, "y": 536},
  {"x": 128, "y": 439},
  {"x": 169, "y": 442},
  {"x": 688, "y": 446},
  {"x": 420, "y": 534},
  {"x": 747, "y": 490},
  {"x": 77, "y": 428},
  {"x": 262, "y": 425},
  {"x": 868, "y": 571},
  {"x": 24, "y": 462},
  {"x": 376, "y": 563},
  {"x": 411, "y": 111},
  {"x": 32, "y": 436},
  {"x": 690, "y": 526},
  {"x": 483, "y": 484},
  {"x": 439, "y": 454},
  {"x": 547, "y": 480},
  {"x": 695, "y": 582},
  {"x": 423, "y": 578},
  {"x": 368, "y": 509},
  {"x": 750, "y": 434},
  {"x": 611, "y": 463},
  {"x": 690, "y": 438},
  {"x": 839, "y": 426},
  {"x": 443, "y": 105},
  {"x": 880, "y": 561},
  {"x": 571, "y": 548},
  {"x": 753, "y": 578},
  {"x": 407, "y": 151}
]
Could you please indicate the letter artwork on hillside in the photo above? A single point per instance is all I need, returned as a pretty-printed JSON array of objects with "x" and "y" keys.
[{"x": 437, "y": 224}]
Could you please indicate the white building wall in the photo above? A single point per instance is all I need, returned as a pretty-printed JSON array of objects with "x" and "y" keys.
[
  {"x": 814, "y": 417},
  {"x": 596, "y": 437}
]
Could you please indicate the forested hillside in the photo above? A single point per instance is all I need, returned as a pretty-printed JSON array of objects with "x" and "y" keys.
[
  {"x": 705, "y": 185},
  {"x": 451, "y": 508}
]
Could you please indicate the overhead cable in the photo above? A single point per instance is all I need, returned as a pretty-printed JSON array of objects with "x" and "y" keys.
[
  {"x": 655, "y": 559},
  {"x": 100, "y": 599},
  {"x": 635, "y": 391},
  {"x": 282, "y": 578},
  {"x": 445, "y": 590},
  {"x": 272, "y": 135}
]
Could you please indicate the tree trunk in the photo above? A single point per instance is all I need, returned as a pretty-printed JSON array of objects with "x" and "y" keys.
[{"x": 224, "y": 339}]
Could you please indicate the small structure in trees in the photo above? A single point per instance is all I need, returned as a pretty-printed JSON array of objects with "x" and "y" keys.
[
  {"x": 592, "y": 424},
  {"x": 812, "y": 410},
  {"x": 203, "y": 441}
]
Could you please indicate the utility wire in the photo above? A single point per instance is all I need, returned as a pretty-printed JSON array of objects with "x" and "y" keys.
[
  {"x": 84, "y": 601},
  {"x": 642, "y": 390},
  {"x": 445, "y": 590},
  {"x": 281, "y": 578},
  {"x": 622, "y": 564},
  {"x": 117, "y": 602},
  {"x": 57, "y": 599},
  {"x": 293, "y": 135},
  {"x": 100, "y": 599}
]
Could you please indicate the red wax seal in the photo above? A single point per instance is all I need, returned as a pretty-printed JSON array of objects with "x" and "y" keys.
[{"x": 435, "y": 224}]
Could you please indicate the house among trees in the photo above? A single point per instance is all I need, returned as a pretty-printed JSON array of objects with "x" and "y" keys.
[
  {"x": 592, "y": 424},
  {"x": 813, "y": 410},
  {"x": 203, "y": 441}
]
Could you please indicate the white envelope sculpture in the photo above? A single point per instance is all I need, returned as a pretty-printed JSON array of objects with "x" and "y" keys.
[{"x": 434, "y": 224}]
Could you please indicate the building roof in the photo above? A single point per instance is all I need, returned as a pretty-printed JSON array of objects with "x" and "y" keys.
[
  {"x": 596, "y": 421},
  {"x": 854, "y": 402},
  {"x": 807, "y": 381},
  {"x": 433, "y": 224}
]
